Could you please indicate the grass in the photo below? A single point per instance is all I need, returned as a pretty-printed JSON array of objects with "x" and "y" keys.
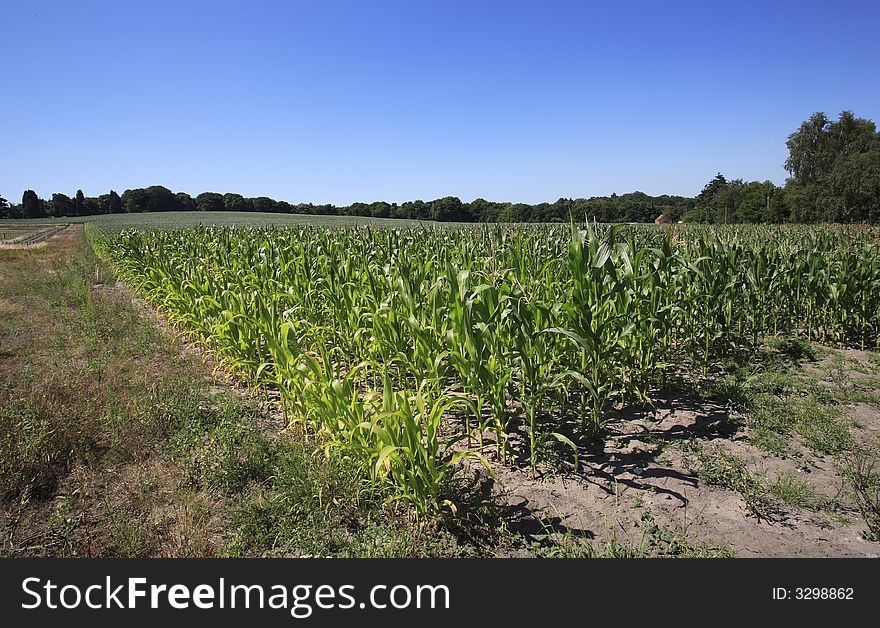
[
  {"x": 122, "y": 448},
  {"x": 787, "y": 406},
  {"x": 38, "y": 447},
  {"x": 763, "y": 499},
  {"x": 780, "y": 400},
  {"x": 794, "y": 491},
  {"x": 820, "y": 425},
  {"x": 719, "y": 468}
]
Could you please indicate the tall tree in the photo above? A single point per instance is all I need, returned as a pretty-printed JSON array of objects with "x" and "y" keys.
[
  {"x": 63, "y": 205},
  {"x": 32, "y": 206},
  {"x": 160, "y": 199},
  {"x": 263, "y": 204},
  {"x": 80, "y": 203},
  {"x": 710, "y": 203},
  {"x": 835, "y": 169},
  {"x": 115, "y": 203}
]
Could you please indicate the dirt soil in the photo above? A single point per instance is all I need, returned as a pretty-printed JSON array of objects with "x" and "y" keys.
[{"x": 644, "y": 469}]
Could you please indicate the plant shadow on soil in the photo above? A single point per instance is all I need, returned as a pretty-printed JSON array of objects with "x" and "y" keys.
[
  {"x": 695, "y": 458},
  {"x": 607, "y": 462}
]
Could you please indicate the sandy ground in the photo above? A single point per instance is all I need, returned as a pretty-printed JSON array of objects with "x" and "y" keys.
[{"x": 634, "y": 475}]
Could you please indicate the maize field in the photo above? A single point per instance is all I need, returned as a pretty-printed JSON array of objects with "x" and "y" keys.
[{"x": 411, "y": 349}]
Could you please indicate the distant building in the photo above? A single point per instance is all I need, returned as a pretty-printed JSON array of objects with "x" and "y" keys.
[{"x": 663, "y": 219}]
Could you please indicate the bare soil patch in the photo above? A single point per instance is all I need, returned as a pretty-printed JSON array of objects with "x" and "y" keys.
[{"x": 646, "y": 472}]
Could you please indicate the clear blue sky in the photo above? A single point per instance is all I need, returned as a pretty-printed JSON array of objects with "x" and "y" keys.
[{"x": 329, "y": 101}]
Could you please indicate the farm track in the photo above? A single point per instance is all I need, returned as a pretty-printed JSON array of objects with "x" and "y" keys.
[{"x": 32, "y": 238}]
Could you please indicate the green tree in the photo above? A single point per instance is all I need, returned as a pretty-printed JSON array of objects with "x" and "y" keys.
[
  {"x": 160, "y": 199},
  {"x": 483, "y": 210},
  {"x": 209, "y": 202},
  {"x": 184, "y": 202},
  {"x": 91, "y": 206},
  {"x": 32, "y": 206},
  {"x": 135, "y": 201},
  {"x": 63, "y": 205},
  {"x": 236, "y": 203},
  {"x": 416, "y": 210},
  {"x": 834, "y": 169},
  {"x": 380, "y": 209},
  {"x": 708, "y": 201},
  {"x": 448, "y": 209},
  {"x": 115, "y": 203},
  {"x": 263, "y": 204},
  {"x": 80, "y": 203},
  {"x": 755, "y": 202}
]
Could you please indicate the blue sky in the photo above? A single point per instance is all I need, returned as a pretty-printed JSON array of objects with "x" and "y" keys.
[{"x": 341, "y": 101}]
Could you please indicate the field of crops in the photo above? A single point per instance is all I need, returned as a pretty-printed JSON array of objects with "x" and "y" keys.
[
  {"x": 184, "y": 220},
  {"x": 412, "y": 349}
]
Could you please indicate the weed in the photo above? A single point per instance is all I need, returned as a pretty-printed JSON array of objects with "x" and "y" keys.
[{"x": 719, "y": 468}]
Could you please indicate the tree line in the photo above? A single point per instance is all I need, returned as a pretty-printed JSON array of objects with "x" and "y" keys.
[
  {"x": 834, "y": 169},
  {"x": 633, "y": 207}
]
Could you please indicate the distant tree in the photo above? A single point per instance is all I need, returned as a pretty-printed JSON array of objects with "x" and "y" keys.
[
  {"x": 415, "y": 210},
  {"x": 262, "y": 204},
  {"x": 135, "y": 201},
  {"x": 380, "y": 209},
  {"x": 728, "y": 200},
  {"x": 115, "y": 203},
  {"x": 185, "y": 202},
  {"x": 9, "y": 210},
  {"x": 482, "y": 210},
  {"x": 854, "y": 188},
  {"x": 92, "y": 206},
  {"x": 709, "y": 204},
  {"x": 808, "y": 156},
  {"x": 209, "y": 202},
  {"x": 32, "y": 206},
  {"x": 102, "y": 203},
  {"x": 80, "y": 203},
  {"x": 236, "y": 203},
  {"x": 358, "y": 209},
  {"x": 515, "y": 212},
  {"x": 63, "y": 205},
  {"x": 160, "y": 199},
  {"x": 448, "y": 209},
  {"x": 755, "y": 203}
]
